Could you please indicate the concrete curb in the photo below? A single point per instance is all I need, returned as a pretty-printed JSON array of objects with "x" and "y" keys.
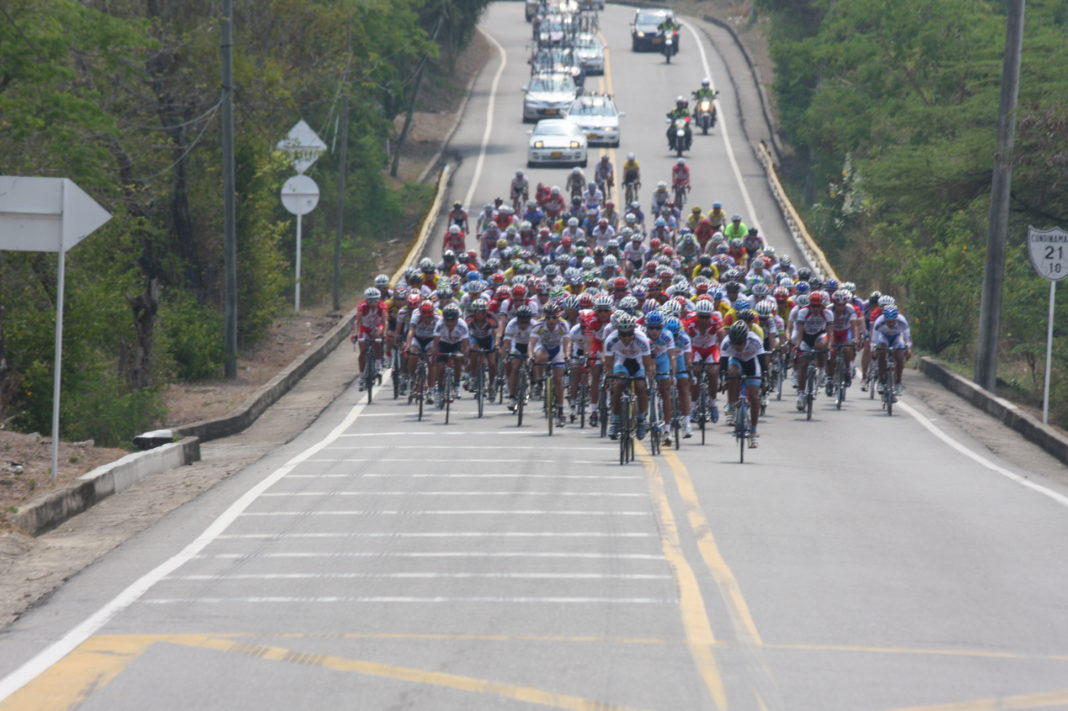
[
  {"x": 1009, "y": 414},
  {"x": 49, "y": 510}
]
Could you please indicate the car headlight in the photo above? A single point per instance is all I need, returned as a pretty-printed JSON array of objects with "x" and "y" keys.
[
  {"x": 539, "y": 144},
  {"x": 576, "y": 144},
  {"x": 641, "y": 34}
]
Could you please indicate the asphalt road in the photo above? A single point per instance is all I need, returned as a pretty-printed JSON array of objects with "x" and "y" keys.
[{"x": 853, "y": 562}]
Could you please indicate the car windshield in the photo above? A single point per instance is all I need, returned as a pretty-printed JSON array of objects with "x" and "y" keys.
[
  {"x": 598, "y": 108},
  {"x": 649, "y": 18},
  {"x": 556, "y": 128},
  {"x": 587, "y": 43},
  {"x": 552, "y": 84}
]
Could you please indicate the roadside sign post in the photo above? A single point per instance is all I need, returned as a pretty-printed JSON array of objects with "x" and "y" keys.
[
  {"x": 48, "y": 215},
  {"x": 1049, "y": 255},
  {"x": 300, "y": 194}
]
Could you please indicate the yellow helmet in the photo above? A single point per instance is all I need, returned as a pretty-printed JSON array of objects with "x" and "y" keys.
[{"x": 696, "y": 210}]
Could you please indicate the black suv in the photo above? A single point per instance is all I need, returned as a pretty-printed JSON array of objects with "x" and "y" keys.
[{"x": 644, "y": 34}]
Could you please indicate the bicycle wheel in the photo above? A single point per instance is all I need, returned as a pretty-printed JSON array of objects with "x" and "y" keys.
[
  {"x": 420, "y": 386},
  {"x": 811, "y": 385},
  {"x": 873, "y": 376},
  {"x": 520, "y": 396},
  {"x": 839, "y": 384},
  {"x": 480, "y": 388},
  {"x": 369, "y": 376},
  {"x": 654, "y": 422},
  {"x": 702, "y": 408},
  {"x": 446, "y": 392},
  {"x": 888, "y": 392},
  {"x": 624, "y": 412},
  {"x": 602, "y": 411},
  {"x": 583, "y": 398},
  {"x": 548, "y": 388},
  {"x": 741, "y": 426},
  {"x": 779, "y": 378},
  {"x": 394, "y": 374}
]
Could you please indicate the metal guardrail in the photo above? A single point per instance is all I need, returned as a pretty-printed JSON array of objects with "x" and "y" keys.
[{"x": 809, "y": 249}]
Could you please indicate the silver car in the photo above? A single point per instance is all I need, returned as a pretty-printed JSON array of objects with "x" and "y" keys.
[
  {"x": 598, "y": 118},
  {"x": 548, "y": 96},
  {"x": 590, "y": 51},
  {"x": 557, "y": 142}
]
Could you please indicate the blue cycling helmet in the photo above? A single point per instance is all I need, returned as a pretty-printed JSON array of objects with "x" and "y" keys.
[
  {"x": 717, "y": 206},
  {"x": 801, "y": 287},
  {"x": 661, "y": 222},
  {"x": 831, "y": 284},
  {"x": 473, "y": 276},
  {"x": 741, "y": 304},
  {"x": 674, "y": 325},
  {"x": 890, "y": 314},
  {"x": 655, "y": 318}
]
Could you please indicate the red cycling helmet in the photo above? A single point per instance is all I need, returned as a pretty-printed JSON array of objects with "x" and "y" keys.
[
  {"x": 519, "y": 291},
  {"x": 815, "y": 298},
  {"x": 619, "y": 283},
  {"x": 426, "y": 308}
]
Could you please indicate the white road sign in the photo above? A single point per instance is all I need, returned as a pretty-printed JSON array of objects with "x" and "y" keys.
[
  {"x": 300, "y": 195},
  {"x": 45, "y": 214},
  {"x": 304, "y": 145},
  {"x": 1049, "y": 252}
]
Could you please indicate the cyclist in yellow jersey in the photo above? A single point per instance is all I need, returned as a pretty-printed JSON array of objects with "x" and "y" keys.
[{"x": 694, "y": 218}]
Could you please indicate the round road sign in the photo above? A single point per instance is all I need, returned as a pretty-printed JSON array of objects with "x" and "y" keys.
[{"x": 300, "y": 195}]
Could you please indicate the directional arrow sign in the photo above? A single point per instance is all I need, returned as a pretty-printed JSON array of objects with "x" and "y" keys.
[
  {"x": 304, "y": 145},
  {"x": 45, "y": 214}
]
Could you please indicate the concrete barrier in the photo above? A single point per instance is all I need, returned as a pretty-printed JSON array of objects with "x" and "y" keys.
[
  {"x": 1008, "y": 413},
  {"x": 49, "y": 510}
]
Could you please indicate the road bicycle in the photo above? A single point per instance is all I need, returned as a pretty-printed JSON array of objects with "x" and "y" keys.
[
  {"x": 838, "y": 382},
  {"x": 447, "y": 388},
  {"x": 704, "y": 402},
  {"x": 656, "y": 419},
  {"x": 743, "y": 431},
  {"x": 628, "y": 417},
  {"x": 522, "y": 387},
  {"x": 483, "y": 387},
  {"x": 371, "y": 376},
  {"x": 396, "y": 373},
  {"x": 889, "y": 379},
  {"x": 418, "y": 389},
  {"x": 579, "y": 369},
  {"x": 681, "y": 191},
  {"x": 630, "y": 191},
  {"x": 676, "y": 414}
]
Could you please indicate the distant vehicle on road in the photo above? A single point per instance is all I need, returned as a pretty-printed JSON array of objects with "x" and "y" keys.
[
  {"x": 644, "y": 29},
  {"x": 548, "y": 96},
  {"x": 598, "y": 117},
  {"x": 557, "y": 142}
]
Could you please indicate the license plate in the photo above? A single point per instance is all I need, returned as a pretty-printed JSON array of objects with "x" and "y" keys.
[
  {"x": 556, "y": 154},
  {"x": 551, "y": 112},
  {"x": 593, "y": 135}
]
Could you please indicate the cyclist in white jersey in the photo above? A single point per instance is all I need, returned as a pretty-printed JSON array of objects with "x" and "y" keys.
[
  {"x": 450, "y": 338},
  {"x": 628, "y": 354},
  {"x": 743, "y": 356},
  {"x": 515, "y": 343},
  {"x": 891, "y": 331},
  {"x": 550, "y": 344}
]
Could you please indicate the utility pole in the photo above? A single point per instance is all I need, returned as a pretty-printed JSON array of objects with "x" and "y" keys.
[
  {"x": 997, "y": 235},
  {"x": 342, "y": 169},
  {"x": 229, "y": 238}
]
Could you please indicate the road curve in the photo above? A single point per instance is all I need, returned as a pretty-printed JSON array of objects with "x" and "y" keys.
[{"x": 377, "y": 562}]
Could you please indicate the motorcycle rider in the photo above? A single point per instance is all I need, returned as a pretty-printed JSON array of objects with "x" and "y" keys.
[
  {"x": 681, "y": 111},
  {"x": 669, "y": 25},
  {"x": 705, "y": 92}
]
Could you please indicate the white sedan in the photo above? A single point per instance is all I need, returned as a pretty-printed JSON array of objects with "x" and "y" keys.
[
  {"x": 556, "y": 141},
  {"x": 548, "y": 96},
  {"x": 598, "y": 117}
]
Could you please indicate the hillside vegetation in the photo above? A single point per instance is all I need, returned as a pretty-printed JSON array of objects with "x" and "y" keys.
[
  {"x": 891, "y": 109},
  {"x": 123, "y": 98}
]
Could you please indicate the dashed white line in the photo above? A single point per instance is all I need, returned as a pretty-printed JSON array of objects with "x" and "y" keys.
[
  {"x": 443, "y": 534},
  {"x": 619, "y": 494},
  {"x": 433, "y": 554},
  {"x": 479, "y": 512},
  {"x": 400, "y": 599},
  {"x": 428, "y": 576}
]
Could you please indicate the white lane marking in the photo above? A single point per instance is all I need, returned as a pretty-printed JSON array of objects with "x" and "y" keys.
[
  {"x": 489, "y": 118},
  {"x": 441, "y": 534},
  {"x": 423, "y": 460},
  {"x": 511, "y": 432},
  {"x": 395, "y": 599},
  {"x": 354, "y": 475},
  {"x": 937, "y": 432},
  {"x": 427, "y": 576},
  {"x": 51, "y": 654},
  {"x": 452, "y": 493},
  {"x": 433, "y": 554},
  {"x": 457, "y": 446},
  {"x": 479, "y": 512},
  {"x": 751, "y": 211}
]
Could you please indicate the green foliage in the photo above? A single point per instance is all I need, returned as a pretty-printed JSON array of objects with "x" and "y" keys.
[
  {"x": 123, "y": 98},
  {"x": 892, "y": 105}
]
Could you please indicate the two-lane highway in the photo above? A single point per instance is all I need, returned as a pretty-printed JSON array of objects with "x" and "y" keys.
[{"x": 376, "y": 562}]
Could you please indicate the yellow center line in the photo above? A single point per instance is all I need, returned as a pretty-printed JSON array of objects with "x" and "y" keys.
[
  {"x": 695, "y": 622},
  {"x": 1049, "y": 700},
  {"x": 604, "y": 83}
]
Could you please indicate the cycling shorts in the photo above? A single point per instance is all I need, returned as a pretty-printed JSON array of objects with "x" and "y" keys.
[
  {"x": 444, "y": 349},
  {"x": 808, "y": 341},
  {"x": 894, "y": 342},
  {"x": 518, "y": 349},
  {"x": 706, "y": 355},
  {"x": 631, "y": 367},
  {"x": 422, "y": 345},
  {"x": 556, "y": 353},
  {"x": 485, "y": 343},
  {"x": 749, "y": 368},
  {"x": 843, "y": 336},
  {"x": 663, "y": 366},
  {"x": 366, "y": 333},
  {"x": 680, "y": 367}
]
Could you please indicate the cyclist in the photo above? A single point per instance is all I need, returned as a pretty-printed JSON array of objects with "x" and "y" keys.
[
  {"x": 482, "y": 327},
  {"x": 704, "y": 333},
  {"x": 458, "y": 216},
  {"x": 661, "y": 196},
  {"x": 372, "y": 315},
  {"x": 595, "y": 327},
  {"x": 665, "y": 355},
  {"x": 683, "y": 365},
  {"x": 592, "y": 198},
  {"x": 550, "y": 344},
  {"x": 576, "y": 182},
  {"x": 450, "y": 337},
  {"x": 632, "y": 177},
  {"x": 847, "y": 331},
  {"x": 892, "y": 331},
  {"x": 744, "y": 357},
  {"x": 811, "y": 336},
  {"x": 628, "y": 354},
  {"x": 520, "y": 189},
  {"x": 680, "y": 178},
  {"x": 421, "y": 330},
  {"x": 604, "y": 175},
  {"x": 515, "y": 343}
]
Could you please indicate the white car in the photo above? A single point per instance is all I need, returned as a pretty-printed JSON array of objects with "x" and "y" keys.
[
  {"x": 548, "y": 96},
  {"x": 557, "y": 142},
  {"x": 590, "y": 52},
  {"x": 598, "y": 118}
]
